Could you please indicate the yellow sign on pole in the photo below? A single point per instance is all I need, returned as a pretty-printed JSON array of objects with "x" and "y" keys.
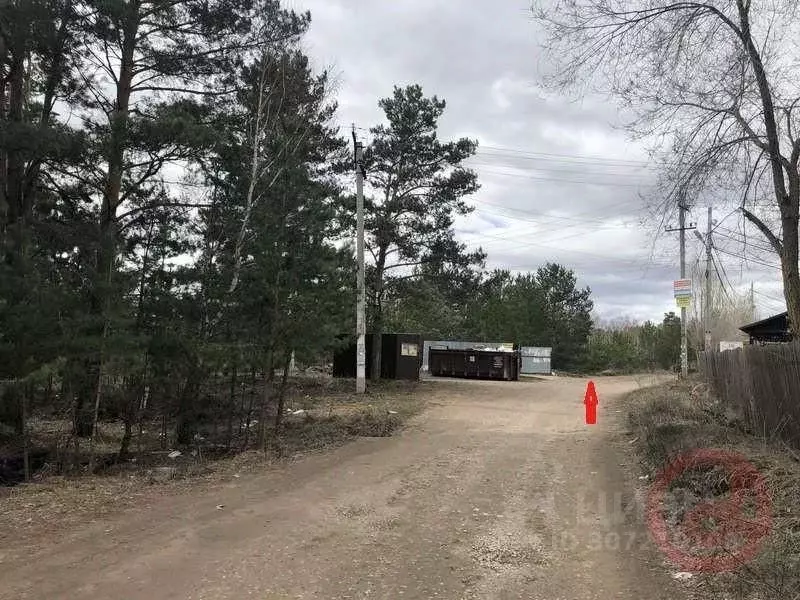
[{"x": 683, "y": 301}]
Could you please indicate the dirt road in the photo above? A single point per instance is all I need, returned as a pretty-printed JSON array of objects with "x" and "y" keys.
[{"x": 497, "y": 491}]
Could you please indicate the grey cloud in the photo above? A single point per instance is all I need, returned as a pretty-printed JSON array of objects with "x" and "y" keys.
[{"x": 484, "y": 59}]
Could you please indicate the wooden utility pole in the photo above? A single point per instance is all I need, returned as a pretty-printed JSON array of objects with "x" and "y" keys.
[{"x": 361, "y": 300}]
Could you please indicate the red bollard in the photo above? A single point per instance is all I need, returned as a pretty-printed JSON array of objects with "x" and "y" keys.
[{"x": 591, "y": 402}]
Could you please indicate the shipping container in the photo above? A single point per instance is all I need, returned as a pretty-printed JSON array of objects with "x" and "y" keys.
[
  {"x": 535, "y": 361},
  {"x": 474, "y": 364},
  {"x": 401, "y": 357},
  {"x": 457, "y": 345}
]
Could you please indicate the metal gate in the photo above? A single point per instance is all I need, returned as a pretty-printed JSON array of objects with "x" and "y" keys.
[{"x": 535, "y": 361}]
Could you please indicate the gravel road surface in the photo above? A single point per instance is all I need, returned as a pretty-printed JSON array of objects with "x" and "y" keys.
[{"x": 497, "y": 491}]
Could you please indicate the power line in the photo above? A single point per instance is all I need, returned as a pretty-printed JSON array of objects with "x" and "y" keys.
[
  {"x": 640, "y": 264},
  {"x": 736, "y": 232},
  {"x": 549, "y": 236},
  {"x": 746, "y": 245},
  {"x": 553, "y": 155},
  {"x": 573, "y": 181},
  {"x": 550, "y": 218},
  {"x": 725, "y": 218},
  {"x": 717, "y": 266},
  {"x": 635, "y": 269},
  {"x": 537, "y": 168},
  {"x": 644, "y": 169},
  {"x": 748, "y": 259},
  {"x": 549, "y": 239},
  {"x": 599, "y": 224},
  {"x": 770, "y": 296},
  {"x": 776, "y": 303},
  {"x": 595, "y": 255},
  {"x": 742, "y": 239}
]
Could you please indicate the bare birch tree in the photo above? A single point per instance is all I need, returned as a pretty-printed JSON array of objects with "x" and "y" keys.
[
  {"x": 714, "y": 83},
  {"x": 259, "y": 130}
]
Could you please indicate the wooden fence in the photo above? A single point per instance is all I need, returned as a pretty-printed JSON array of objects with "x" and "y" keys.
[{"x": 762, "y": 385}]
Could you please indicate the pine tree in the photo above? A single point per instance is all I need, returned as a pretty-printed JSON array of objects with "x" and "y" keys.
[
  {"x": 271, "y": 264},
  {"x": 419, "y": 186}
]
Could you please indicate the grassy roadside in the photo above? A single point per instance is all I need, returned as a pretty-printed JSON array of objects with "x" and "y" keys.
[
  {"x": 317, "y": 420},
  {"x": 675, "y": 418}
]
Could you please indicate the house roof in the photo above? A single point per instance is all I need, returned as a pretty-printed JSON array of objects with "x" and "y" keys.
[{"x": 777, "y": 323}]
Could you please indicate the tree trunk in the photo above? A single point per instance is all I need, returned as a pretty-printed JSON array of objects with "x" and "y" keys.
[
  {"x": 249, "y": 414},
  {"x": 125, "y": 444},
  {"x": 4, "y": 200},
  {"x": 791, "y": 270},
  {"x": 265, "y": 396},
  {"x": 141, "y": 408},
  {"x": 787, "y": 202},
  {"x": 377, "y": 337},
  {"x": 377, "y": 321},
  {"x": 186, "y": 426},
  {"x": 11, "y": 411},
  {"x": 134, "y": 396},
  {"x": 14, "y": 172},
  {"x": 53, "y": 78},
  {"x": 282, "y": 391},
  {"x": 84, "y": 377},
  {"x": 101, "y": 293},
  {"x": 76, "y": 454},
  {"x": 163, "y": 435},
  {"x": 131, "y": 417},
  {"x": 231, "y": 406},
  {"x": 26, "y": 460},
  {"x": 95, "y": 416}
]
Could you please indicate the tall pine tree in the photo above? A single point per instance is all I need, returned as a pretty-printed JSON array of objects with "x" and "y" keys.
[{"x": 418, "y": 185}]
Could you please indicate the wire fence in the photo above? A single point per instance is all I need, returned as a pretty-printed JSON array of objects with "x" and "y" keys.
[{"x": 761, "y": 384}]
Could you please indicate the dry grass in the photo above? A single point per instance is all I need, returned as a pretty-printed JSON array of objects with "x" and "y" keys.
[
  {"x": 674, "y": 418},
  {"x": 335, "y": 422},
  {"x": 331, "y": 416}
]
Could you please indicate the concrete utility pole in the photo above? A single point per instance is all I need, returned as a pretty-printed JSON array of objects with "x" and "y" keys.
[
  {"x": 361, "y": 300},
  {"x": 684, "y": 342},
  {"x": 682, "y": 228},
  {"x": 709, "y": 246},
  {"x": 709, "y": 260}
]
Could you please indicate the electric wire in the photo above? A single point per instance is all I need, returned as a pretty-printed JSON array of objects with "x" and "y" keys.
[
  {"x": 570, "y": 181},
  {"x": 552, "y": 155},
  {"x": 717, "y": 266},
  {"x": 769, "y": 296},
  {"x": 749, "y": 259}
]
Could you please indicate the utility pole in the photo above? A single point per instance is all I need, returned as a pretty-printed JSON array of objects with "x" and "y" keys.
[
  {"x": 682, "y": 228},
  {"x": 361, "y": 300},
  {"x": 684, "y": 342},
  {"x": 709, "y": 246},
  {"x": 709, "y": 260}
]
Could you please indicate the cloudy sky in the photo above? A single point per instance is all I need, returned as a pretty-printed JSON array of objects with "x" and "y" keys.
[{"x": 559, "y": 182}]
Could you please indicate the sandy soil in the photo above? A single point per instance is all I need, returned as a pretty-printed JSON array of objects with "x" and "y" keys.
[{"x": 497, "y": 491}]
